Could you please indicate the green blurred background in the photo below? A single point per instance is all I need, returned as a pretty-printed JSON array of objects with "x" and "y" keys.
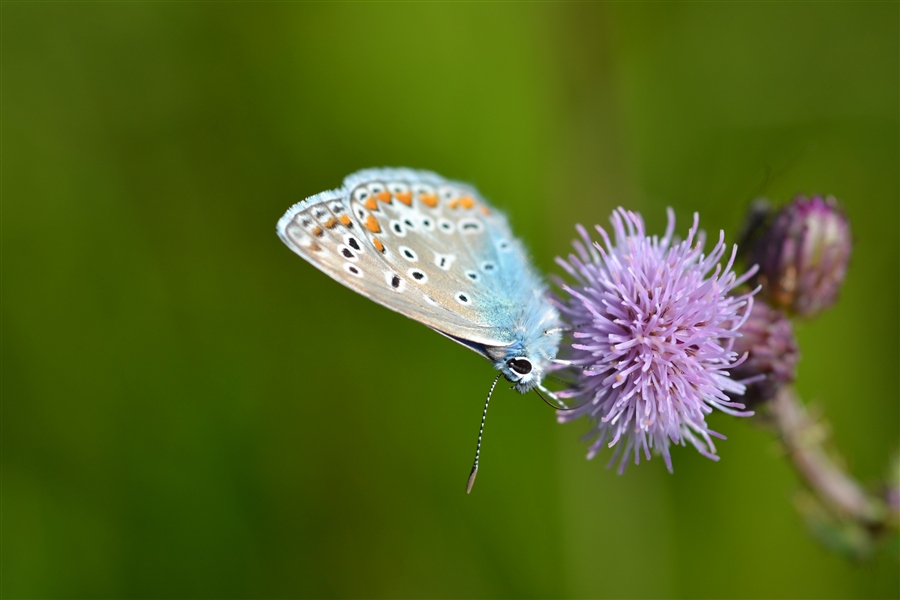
[{"x": 190, "y": 410}]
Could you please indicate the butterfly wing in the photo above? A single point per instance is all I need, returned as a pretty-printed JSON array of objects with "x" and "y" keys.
[{"x": 426, "y": 247}]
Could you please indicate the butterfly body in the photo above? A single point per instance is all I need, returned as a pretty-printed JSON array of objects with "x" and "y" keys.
[{"x": 436, "y": 252}]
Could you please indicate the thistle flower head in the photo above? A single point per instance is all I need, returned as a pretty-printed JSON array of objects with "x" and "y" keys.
[{"x": 654, "y": 326}]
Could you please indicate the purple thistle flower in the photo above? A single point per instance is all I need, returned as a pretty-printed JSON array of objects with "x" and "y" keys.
[{"x": 654, "y": 325}]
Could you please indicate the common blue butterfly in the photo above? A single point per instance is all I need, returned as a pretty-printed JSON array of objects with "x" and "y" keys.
[{"x": 434, "y": 251}]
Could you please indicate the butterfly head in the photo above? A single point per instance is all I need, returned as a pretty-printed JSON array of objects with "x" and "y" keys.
[{"x": 525, "y": 364}]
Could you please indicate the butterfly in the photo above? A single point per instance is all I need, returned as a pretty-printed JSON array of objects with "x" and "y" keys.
[{"x": 435, "y": 251}]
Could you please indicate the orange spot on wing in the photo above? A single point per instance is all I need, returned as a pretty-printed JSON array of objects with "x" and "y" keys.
[
  {"x": 331, "y": 222},
  {"x": 467, "y": 202},
  {"x": 318, "y": 231},
  {"x": 372, "y": 224},
  {"x": 430, "y": 200},
  {"x": 453, "y": 203},
  {"x": 384, "y": 196},
  {"x": 371, "y": 203},
  {"x": 484, "y": 209},
  {"x": 378, "y": 245},
  {"x": 345, "y": 220},
  {"x": 404, "y": 197}
]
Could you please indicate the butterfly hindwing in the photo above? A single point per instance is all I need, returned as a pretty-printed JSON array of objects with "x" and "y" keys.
[{"x": 418, "y": 244}]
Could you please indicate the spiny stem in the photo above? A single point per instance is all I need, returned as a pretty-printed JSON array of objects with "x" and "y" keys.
[{"x": 820, "y": 470}]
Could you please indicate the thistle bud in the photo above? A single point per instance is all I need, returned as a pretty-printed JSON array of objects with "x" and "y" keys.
[
  {"x": 772, "y": 354},
  {"x": 802, "y": 255}
]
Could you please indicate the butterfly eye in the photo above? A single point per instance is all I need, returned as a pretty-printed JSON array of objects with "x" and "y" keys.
[{"x": 522, "y": 366}]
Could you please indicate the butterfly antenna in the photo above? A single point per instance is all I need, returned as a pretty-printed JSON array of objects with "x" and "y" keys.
[{"x": 474, "y": 472}]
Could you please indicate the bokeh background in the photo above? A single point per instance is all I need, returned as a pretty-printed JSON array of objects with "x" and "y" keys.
[{"x": 190, "y": 410}]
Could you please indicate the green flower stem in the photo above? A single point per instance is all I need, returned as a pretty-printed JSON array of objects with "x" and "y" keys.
[{"x": 847, "y": 504}]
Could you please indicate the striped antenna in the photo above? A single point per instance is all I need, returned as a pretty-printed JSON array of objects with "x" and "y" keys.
[{"x": 474, "y": 472}]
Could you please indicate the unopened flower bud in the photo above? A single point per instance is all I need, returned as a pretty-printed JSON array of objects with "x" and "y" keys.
[
  {"x": 802, "y": 255},
  {"x": 772, "y": 354}
]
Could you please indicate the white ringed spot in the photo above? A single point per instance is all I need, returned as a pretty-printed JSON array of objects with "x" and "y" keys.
[
  {"x": 444, "y": 261},
  {"x": 418, "y": 275},
  {"x": 397, "y": 188},
  {"x": 446, "y": 226},
  {"x": 347, "y": 253},
  {"x": 360, "y": 194},
  {"x": 361, "y": 213},
  {"x": 422, "y": 188},
  {"x": 408, "y": 253},
  {"x": 353, "y": 243},
  {"x": 470, "y": 225},
  {"x": 397, "y": 228},
  {"x": 394, "y": 281},
  {"x": 447, "y": 193}
]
